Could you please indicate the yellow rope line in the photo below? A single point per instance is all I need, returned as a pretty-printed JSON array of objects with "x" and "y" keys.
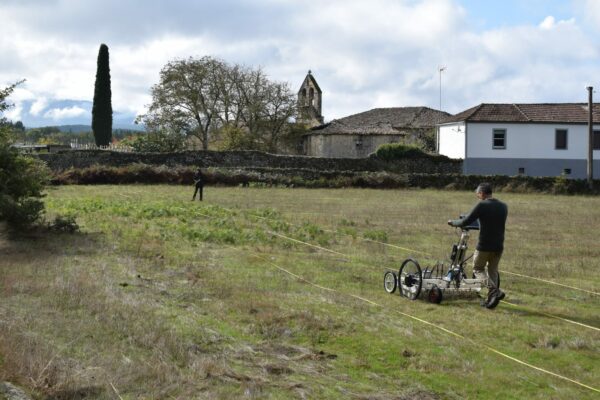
[
  {"x": 514, "y": 305},
  {"x": 551, "y": 282},
  {"x": 422, "y": 320},
  {"x": 397, "y": 247},
  {"x": 391, "y": 245},
  {"x": 305, "y": 243},
  {"x": 554, "y": 316},
  {"x": 433, "y": 325},
  {"x": 431, "y": 255}
]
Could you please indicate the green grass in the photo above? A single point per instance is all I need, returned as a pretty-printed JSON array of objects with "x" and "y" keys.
[{"x": 159, "y": 297}]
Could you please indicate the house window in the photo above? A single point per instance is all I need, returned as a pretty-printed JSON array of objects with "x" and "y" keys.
[
  {"x": 567, "y": 171},
  {"x": 596, "y": 144},
  {"x": 521, "y": 171},
  {"x": 499, "y": 139},
  {"x": 560, "y": 139}
]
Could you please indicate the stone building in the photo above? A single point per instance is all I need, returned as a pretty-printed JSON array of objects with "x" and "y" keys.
[{"x": 359, "y": 135}]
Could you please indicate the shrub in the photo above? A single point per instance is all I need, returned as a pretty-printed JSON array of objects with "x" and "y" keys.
[
  {"x": 64, "y": 223},
  {"x": 157, "y": 142},
  {"x": 22, "y": 179},
  {"x": 266, "y": 177},
  {"x": 394, "y": 151}
]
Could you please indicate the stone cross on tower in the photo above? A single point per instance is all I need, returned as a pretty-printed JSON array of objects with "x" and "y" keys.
[{"x": 309, "y": 102}]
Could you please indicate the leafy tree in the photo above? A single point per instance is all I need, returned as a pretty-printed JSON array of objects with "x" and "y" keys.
[
  {"x": 22, "y": 178},
  {"x": 156, "y": 142},
  {"x": 207, "y": 97},
  {"x": 234, "y": 138},
  {"x": 264, "y": 109},
  {"x": 187, "y": 98},
  {"x": 102, "y": 108}
]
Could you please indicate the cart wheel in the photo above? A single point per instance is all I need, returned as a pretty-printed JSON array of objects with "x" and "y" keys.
[
  {"x": 410, "y": 279},
  {"x": 390, "y": 282},
  {"x": 435, "y": 295}
]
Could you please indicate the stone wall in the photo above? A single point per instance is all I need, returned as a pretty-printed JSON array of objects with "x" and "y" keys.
[
  {"x": 248, "y": 159},
  {"x": 347, "y": 146}
]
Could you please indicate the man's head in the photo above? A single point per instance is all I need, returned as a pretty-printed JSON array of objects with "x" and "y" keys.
[{"x": 484, "y": 190}]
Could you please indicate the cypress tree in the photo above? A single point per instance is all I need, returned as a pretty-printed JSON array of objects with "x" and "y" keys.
[{"x": 102, "y": 108}]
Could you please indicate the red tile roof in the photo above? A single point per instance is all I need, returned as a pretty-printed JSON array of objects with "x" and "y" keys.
[{"x": 570, "y": 113}]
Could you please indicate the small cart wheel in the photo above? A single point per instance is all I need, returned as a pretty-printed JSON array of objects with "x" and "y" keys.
[
  {"x": 435, "y": 295},
  {"x": 410, "y": 279},
  {"x": 390, "y": 282}
]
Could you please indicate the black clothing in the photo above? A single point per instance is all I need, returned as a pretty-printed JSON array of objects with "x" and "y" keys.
[
  {"x": 199, "y": 183},
  {"x": 198, "y": 179},
  {"x": 492, "y": 215}
]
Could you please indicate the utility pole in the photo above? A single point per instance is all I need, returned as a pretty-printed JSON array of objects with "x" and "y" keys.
[
  {"x": 590, "y": 158},
  {"x": 441, "y": 69},
  {"x": 437, "y": 141}
]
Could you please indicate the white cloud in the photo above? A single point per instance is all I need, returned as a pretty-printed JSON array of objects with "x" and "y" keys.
[
  {"x": 64, "y": 113},
  {"x": 38, "y": 106},
  {"x": 548, "y": 22},
  {"x": 590, "y": 10},
  {"x": 381, "y": 53},
  {"x": 14, "y": 113}
]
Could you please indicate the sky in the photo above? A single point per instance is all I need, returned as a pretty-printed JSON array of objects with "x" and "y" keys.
[{"x": 363, "y": 53}]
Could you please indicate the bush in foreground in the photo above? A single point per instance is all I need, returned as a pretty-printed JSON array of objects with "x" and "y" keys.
[{"x": 22, "y": 179}]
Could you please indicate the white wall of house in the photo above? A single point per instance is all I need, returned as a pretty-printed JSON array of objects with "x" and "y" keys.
[
  {"x": 533, "y": 141},
  {"x": 452, "y": 140}
]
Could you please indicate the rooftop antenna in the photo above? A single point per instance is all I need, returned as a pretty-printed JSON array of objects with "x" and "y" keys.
[
  {"x": 590, "y": 158},
  {"x": 441, "y": 69},
  {"x": 437, "y": 140}
]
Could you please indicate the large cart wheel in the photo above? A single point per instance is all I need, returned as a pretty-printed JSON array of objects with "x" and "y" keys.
[
  {"x": 390, "y": 282},
  {"x": 410, "y": 279},
  {"x": 435, "y": 295}
]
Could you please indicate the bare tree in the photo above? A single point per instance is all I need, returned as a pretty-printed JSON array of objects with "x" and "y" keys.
[
  {"x": 207, "y": 97},
  {"x": 264, "y": 109},
  {"x": 186, "y": 99}
]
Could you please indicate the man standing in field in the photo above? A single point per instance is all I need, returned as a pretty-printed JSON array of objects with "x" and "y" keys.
[
  {"x": 492, "y": 215},
  {"x": 199, "y": 184}
]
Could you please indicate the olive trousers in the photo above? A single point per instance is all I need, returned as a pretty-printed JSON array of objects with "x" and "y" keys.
[{"x": 489, "y": 259}]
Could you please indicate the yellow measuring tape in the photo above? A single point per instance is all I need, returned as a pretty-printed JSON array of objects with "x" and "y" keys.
[
  {"x": 431, "y": 255},
  {"x": 417, "y": 318},
  {"x": 551, "y": 282},
  {"x": 514, "y": 305},
  {"x": 431, "y": 324}
]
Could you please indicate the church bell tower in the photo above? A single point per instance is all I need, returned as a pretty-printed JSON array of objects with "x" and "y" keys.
[{"x": 309, "y": 102}]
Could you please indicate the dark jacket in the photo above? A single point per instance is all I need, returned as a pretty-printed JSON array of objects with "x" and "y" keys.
[
  {"x": 492, "y": 215},
  {"x": 198, "y": 179}
]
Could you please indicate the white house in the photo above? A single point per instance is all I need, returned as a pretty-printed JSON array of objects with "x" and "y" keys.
[{"x": 522, "y": 139}]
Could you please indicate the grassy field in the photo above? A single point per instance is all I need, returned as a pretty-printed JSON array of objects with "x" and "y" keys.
[{"x": 161, "y": 298}]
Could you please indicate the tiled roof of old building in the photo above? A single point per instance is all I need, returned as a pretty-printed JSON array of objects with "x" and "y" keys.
[
  {"x": 534, "y": 113},
  {"x": 384, "y": 121}
]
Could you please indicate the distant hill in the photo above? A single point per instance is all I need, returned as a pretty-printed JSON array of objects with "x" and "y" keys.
[
  {"x": 88, "y": 128},
  {"x": 75, "y": 128}
]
